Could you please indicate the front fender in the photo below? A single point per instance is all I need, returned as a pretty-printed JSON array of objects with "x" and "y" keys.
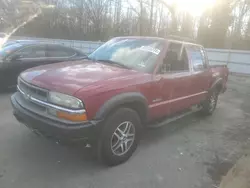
[{"x": 119, "y": 100}]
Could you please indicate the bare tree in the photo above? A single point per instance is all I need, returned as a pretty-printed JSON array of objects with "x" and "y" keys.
[{"x": 103, "y": 19}]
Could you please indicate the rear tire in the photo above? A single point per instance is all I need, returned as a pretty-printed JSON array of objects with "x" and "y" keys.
[
  {"x": 120, "y": 136},
  {"x": 209, "y": 105}
]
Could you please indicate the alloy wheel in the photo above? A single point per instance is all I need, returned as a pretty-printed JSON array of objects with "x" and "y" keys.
[{"x": 123, "y": 138}]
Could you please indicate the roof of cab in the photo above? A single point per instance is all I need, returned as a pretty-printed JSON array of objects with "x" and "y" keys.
[{"x": 176, "y": 39}]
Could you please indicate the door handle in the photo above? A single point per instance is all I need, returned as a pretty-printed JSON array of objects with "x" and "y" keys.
[{"x": 159, "y": 78}]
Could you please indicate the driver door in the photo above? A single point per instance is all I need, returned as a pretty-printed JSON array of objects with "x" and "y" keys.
[
  {"x": 180, "y": 80},
  {"x": 172, "y": 82}
]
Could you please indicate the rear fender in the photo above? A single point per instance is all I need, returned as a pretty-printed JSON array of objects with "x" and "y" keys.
[{"x": 217, "y": 83}]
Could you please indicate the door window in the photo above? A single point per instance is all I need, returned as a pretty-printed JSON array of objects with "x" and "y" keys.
[
  {"x": 32, "y": 52},
  {"x": 176, "y": 59},
  {"x": 197, "y": 58},
  {"x": 60, "y": 52}
]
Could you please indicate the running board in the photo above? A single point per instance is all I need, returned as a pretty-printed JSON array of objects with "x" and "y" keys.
[{"x": 172, "y": 119}]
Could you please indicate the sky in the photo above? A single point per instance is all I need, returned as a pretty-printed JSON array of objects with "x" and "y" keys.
[{"x": 194, "y": 7}]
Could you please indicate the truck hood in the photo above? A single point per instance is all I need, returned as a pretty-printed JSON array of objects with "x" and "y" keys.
[{"x": 69, "y": 77}]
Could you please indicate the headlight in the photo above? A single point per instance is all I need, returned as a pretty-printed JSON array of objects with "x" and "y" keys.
[
  {"x": 77, "y": 115},
  {"x": 65, "y": 100}
]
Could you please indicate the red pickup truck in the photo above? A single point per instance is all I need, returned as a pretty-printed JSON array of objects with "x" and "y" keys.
[{"x": 122, "y": 87}]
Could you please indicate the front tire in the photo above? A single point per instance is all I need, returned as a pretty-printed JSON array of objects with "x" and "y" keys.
[{"x": 120, "y": 136}]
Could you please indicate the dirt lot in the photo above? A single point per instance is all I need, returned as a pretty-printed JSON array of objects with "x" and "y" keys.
[{"x": 193, "y": 152}]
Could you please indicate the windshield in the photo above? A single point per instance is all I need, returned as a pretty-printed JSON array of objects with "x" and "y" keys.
[
  {"x": 8, "y": 49},
  {"x": 137, "y": 54},
  {"x": 9, "y": 43}
]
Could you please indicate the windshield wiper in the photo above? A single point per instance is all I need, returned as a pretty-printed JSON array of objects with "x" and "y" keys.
[{"x": 113, "y": 62}]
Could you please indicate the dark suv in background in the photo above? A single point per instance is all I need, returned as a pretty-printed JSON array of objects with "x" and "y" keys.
[{"x": 18, "y": 56}]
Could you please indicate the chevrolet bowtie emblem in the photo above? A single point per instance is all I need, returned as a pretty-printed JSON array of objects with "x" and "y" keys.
[{"x": 27, "y": 96}]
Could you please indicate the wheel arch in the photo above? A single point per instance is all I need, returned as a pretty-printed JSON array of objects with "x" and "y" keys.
[
  {"x": 217, "y": 85},
  {"x": 133, "y": 100}
]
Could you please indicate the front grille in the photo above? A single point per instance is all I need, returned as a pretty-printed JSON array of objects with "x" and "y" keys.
[
  {"x": 35, "y": 99},
  {"x": 33, "y": 91}
]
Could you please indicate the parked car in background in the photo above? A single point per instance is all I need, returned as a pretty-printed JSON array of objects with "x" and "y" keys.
[
  {"x": 122, "y": 87},
  {"x": 2, "y": 36},
  {"x": 10, "y": 42},
  {"x": 22, "y": 55}
]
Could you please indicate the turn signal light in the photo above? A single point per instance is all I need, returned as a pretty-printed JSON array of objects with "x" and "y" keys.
[{"x": 71, "y": 116}]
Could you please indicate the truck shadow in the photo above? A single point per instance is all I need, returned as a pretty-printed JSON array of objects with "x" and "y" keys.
[
  {"x": 154, "y": 135},
  {"x": 45, "y": 152},
  {"x": 46, "y": 159},
  {"x": 32, "y": 152}
]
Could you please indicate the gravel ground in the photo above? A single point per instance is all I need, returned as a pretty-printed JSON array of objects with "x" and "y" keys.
[{"x": 193, "y": 152}]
